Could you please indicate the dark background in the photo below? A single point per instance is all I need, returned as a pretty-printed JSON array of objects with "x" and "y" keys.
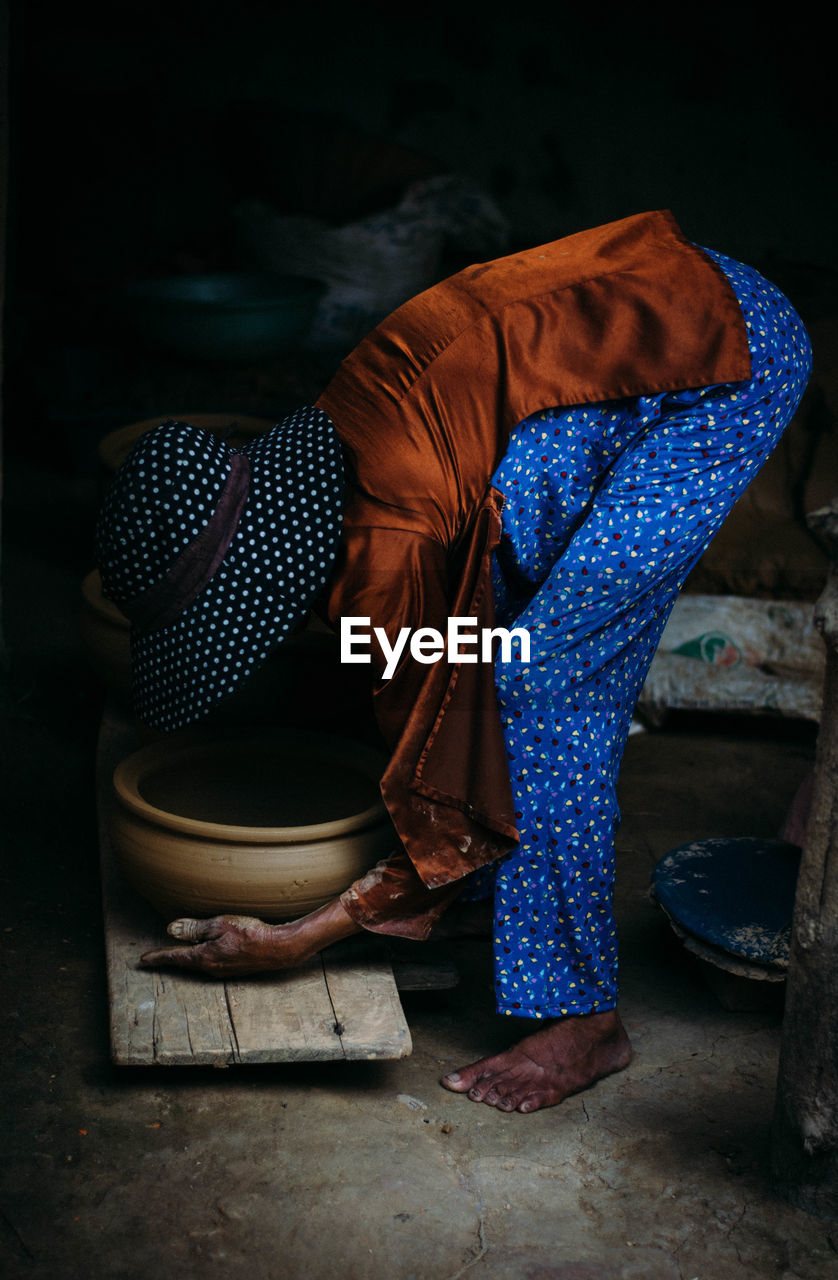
[{"x": 137, "y": 129}]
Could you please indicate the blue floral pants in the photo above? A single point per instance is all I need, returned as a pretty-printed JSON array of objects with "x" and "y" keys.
[{"x": 608, "y": 507}]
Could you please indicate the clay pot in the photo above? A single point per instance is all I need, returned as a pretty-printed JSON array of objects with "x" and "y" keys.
[
  {"x": 116, "y": 445},
  {"x": 269, "y": 824},
  {"x": 105, "y": 635}
]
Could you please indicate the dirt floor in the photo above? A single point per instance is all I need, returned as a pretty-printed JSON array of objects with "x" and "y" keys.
[{"x": 369, "y": 1170}]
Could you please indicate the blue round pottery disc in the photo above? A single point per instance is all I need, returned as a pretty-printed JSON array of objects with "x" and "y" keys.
[{"x": 737, "y": 894}]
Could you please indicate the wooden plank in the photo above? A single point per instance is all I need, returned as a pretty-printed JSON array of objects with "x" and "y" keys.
[
  {"x": 191, "y": 1022},
  {"x": 156, "y": 1018},
  {"x": 284, "y": 1017},
  {"x": 130, "y": 925},
  {"x": 366, "y": 1004},
  {"x": 180, "y": 1019}
]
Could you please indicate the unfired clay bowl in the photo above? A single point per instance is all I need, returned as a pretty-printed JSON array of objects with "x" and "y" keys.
[{"x": 268, "y": 824}]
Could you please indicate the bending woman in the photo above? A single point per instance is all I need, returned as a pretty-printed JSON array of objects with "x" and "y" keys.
[{"x": 549, "y": 442}]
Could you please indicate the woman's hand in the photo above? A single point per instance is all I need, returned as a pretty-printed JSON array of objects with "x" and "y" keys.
[
  {"x": 227, "y": 947},
  {"x": 234, "y": 946}
]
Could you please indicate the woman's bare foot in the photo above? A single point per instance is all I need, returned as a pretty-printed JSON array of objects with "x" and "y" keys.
[
  {"x": 233, "y": 946},
  {"x": 564, "y": 1057}
]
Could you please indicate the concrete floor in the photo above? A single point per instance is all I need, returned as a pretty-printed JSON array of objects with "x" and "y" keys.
[{"x": 368, "y": 1170}]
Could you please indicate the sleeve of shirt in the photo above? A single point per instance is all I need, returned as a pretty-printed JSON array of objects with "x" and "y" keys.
[
  {"x": 447, "y": 783},
  {"x": 393, "y": 579},
  {"x": 391, "y": 899}
]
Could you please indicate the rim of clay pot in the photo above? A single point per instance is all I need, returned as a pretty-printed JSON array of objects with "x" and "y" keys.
[
  {"x": 116, "y": 445},
  {"x": 129, "y": 773},
  {"x": 91, "y": 589}
]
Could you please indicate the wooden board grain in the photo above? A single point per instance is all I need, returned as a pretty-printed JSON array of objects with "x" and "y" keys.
[
  {"x": 342, "y": 1005},
  {"x": 365, "y": 1000}
]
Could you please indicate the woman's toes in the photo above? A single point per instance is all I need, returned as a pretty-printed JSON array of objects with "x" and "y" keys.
[
  {"x": 459, "y": 1082},
  {"x": 532, "y": 1102}
]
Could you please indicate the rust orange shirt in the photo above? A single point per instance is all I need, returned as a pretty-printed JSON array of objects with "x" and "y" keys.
[{"x": 424, "y": 407}]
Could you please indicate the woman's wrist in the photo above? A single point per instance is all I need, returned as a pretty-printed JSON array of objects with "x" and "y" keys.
[{"x": 320, "y": 928}]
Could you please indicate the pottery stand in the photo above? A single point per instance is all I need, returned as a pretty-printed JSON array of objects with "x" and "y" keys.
[{"x": 343, "y": 1004}]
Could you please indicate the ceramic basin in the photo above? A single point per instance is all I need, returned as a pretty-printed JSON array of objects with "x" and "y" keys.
[{"x": 270, "y": 824}]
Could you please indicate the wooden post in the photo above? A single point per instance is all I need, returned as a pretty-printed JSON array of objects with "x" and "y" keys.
[{"x": 804, "y": 1148}]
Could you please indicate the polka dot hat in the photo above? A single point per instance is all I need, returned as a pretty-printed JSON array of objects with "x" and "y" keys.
[{"x": 215, "y": 554}]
